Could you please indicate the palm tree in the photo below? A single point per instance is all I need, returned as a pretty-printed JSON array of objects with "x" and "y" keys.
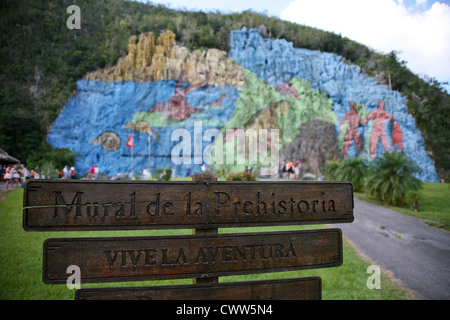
[
  {"x": 391, "y": 179},
  {"x": 353, "y": 169},
  {"x": 330, "y": 169}
]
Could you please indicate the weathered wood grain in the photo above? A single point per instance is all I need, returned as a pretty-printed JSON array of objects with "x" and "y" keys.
[
  {"x": 309, "y": 288},
  {"x": 193, "y": 256},
  {"x": 113, "y": 205}
]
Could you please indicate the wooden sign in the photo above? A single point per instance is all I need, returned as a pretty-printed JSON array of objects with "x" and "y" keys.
[
  {"x": 113, "y": 205},
  {"x": 194, "y": 256},
  {"x": 309, "y": 288}
]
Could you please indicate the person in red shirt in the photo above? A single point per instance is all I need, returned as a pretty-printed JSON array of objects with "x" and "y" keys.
[{"x": 91, "y": 172}]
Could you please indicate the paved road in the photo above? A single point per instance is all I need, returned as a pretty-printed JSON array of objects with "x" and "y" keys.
[{"x": 418, "y": 255}]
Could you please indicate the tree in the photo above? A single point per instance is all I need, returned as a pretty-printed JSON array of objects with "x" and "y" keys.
[
  {"x": 391, "y": 179},
  {"x": 353, "y": 169},
  {"x": 41, "y": 59}
]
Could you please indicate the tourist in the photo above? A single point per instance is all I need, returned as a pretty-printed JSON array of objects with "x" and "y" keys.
[
  {"x": 91, "y": 173},
  {"x": 8, "y": 176},
  {"x": 72, "y": 173},
  {"x": 297, "y": 168},
  {"x": 15, "y": 176},
  {"x": 66, "y": 172}
]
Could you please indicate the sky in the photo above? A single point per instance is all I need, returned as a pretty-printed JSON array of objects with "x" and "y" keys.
[{"x": 418, "y": 30}]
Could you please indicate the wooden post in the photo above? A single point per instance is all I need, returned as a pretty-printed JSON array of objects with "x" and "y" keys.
[
  {"x": 203, "y": 205},
  {"x": 206, "y": 280}
]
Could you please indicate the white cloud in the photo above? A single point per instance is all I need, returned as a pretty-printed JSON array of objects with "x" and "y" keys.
[{"x": 423, "y": 38}]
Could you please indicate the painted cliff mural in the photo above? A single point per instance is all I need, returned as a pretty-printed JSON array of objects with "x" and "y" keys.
[
  {"x": 315, "y": 106},
  {"x": 377, "y": 131}
]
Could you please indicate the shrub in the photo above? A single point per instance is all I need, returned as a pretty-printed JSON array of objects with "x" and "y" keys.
[
  {"x": 54, "y": 158},
  {"x": 391, "y": 179},
  {"x": 353, "y": 169},
  {"x": 49, "y": 170},
  {"x": 163, "y": 174},
  {"x": 241, "y": 176},
  {"x": 330, "y": 169}
]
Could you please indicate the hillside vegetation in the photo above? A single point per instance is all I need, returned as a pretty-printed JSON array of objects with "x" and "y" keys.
[{"x": 41, "y": 60}]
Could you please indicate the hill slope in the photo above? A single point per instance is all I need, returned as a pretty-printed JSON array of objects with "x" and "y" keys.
[{"x": 41, "y": 60}]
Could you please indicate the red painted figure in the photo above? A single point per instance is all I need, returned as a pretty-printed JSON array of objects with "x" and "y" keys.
[
  {"x": 353, "y": 120},
  {"x": 397, "y": 137},
  {"x": 177, "y": 107},
  {"x": 379, "y": 117}
]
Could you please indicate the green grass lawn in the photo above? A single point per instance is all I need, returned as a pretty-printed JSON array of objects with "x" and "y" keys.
[
  {"x": 434, "y": 206},
  {"x": 21, "y": 263}
]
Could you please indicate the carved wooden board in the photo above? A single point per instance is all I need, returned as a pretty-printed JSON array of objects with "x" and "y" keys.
[
  {"x": 152, "y": 258},
  {"x": 112, "y": 205},
  {"x": 309, "y": 288}
]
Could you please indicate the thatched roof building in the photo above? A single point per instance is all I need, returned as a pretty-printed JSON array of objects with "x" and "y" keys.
[{"x": 5, "y": 158}]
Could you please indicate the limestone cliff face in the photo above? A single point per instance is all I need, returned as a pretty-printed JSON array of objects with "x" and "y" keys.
[
  {"x": 160, "y": 87},
  {"x": 316, "y": 144},
  {"x": 152, "y": 58},
  {"x": 277, "y": 61}
]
